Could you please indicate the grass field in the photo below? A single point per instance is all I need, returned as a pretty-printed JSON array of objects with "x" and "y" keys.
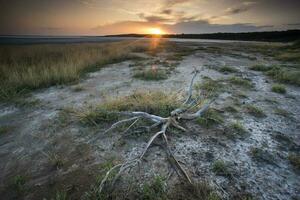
[{"x": 24, "y": 68}]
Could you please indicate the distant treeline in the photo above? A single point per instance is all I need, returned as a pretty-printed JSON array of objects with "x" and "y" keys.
[{"x": 271, "y": 36}]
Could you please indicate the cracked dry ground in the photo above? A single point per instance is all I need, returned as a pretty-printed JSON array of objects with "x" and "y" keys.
[{"x": 54, "y": 152}]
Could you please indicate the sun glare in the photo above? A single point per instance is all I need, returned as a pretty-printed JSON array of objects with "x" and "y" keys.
[{"x": 156, "y": 31}]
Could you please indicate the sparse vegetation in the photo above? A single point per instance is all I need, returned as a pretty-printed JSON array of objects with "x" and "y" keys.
[
  {"x": 61, "y": 195},
  {"x": 209, "y": 87},
  {"x": 236, "y": 129},
  {"x": 295, "y": 160},
  {"x": 231, "y": 109},
  {"x": 240, "y": 82},
  {"x": 284, "y": 75},
  {"x": 18, "y": 183},
  {"x": 278, "y": 88},
  {"x": 55, "y": 160},
  {"x": 199, "y": 190},
  {"x": 289, "y": 56},
  {"x": 259, "y": 67},
  {"x": 5, "y": 129},
  {"x": 220, "y": 168},
  {"x": 228, "y": 69},
  {"x": 210, "y": 118},
  {"x": 282, "y": 112},
  {"x": 255, "y": 111},
  {"x": 157, "y": 103},
  {"x": 261, "y": 155},
  {"x": 78, "y": 88},
  {"x": 151, "y": 74},
  {"x": 155, "y": 190}
]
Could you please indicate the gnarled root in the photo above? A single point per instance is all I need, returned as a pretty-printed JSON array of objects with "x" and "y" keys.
[{"x": 165, "y": 123}]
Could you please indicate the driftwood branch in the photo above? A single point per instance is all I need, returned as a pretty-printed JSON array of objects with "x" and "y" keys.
[{"x": 165, "y": 123}]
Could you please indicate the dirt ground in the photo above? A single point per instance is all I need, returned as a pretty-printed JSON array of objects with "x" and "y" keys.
[{"x": 39, "y": 138}]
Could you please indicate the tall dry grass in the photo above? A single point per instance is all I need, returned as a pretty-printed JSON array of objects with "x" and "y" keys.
[{"x": 27, "y": 67}]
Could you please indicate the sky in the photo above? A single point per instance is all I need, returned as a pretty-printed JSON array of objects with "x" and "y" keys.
[{"x": 102, "y": 17}]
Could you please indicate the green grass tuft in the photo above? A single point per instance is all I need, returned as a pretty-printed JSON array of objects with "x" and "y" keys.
[
  {"x": 255, "y": 111},
  {"x": 278, "y": 88},
  {"x": 231, "y": 109},
  {"x": 61, "y": 195},
  {"x": 56, "y": 161},
  {"x": 290, "y": 56},
  {"x": 228, "y": 69},
  {"x": 18, "y": 183},
  {"x": 154, "y": 190},
  {"x": 151, "y": 74},
  {"x": 237, "y": 129},
  {"x": 220, "y": 168},
  {"x": 209, "y": 87},
  {"x": 260, "y": 67},
  {"x": 198, "y": 190},
  {"x": 241, "y": 82},
  {"x": 5, "y": 129},
  {"x": 295, "y": 160},
  {"x": 284, "y": 75},
  {"x": 282, "y": 112},
  {"x": 210, "y": 118},
  {"x": 261, "y": 155}
]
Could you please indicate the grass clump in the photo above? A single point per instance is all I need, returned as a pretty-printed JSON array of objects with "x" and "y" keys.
[
  {"x": 196, "y": 191},
  {"x": 61, "y": 195},
  {"x": 78, "y": 88},
  {"x": 278, "y": 88},
  {"x": 97, "y": 115},
  {"x": 27, "y": 67},
  {"x": 151, "y": 74},
  {"x": 259, "y": 67},
  {"x": 220, "y": 168},
  {"x": 210, "y": 118},
  {"x": 55, "y": 160},
  {"x": 231, "y": 109},
  {"x": 284, "y": 75},
  {"x": 155, "y": 190},
  {"x": 255, "y": 111},
  {"x": 282, "y": 112},
  {"x": 240, "y": 82},
  {"x": 5, "y": 129},
  {"x": 261, "y": 155},
  {"x": 228, "y": 69},
  {"x": 236, "y": 129},
  {"x": 290, "y": 56},
  {"x": 209, "y": 87},
  {"x": 18, "y": 183},
  {"x": 295, "y": 160},
  {"x": 155, "y": 102}
]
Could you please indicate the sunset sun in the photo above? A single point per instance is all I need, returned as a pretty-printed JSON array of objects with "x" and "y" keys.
[{"x": 156, "y": 31}]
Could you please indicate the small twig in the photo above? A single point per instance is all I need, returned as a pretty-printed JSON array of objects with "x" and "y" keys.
[{"x": 131, "y": 125}]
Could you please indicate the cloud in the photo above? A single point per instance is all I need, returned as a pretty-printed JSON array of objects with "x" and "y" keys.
[
  {"x": 154, "y": 18},
  {"x": 170, "y": 3},
  {"x": 166, "y": 11},
  {"x": 203, "y": 26},
  {"x": 233, "y": 11},
  {"x": 197, "y": 26}
]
